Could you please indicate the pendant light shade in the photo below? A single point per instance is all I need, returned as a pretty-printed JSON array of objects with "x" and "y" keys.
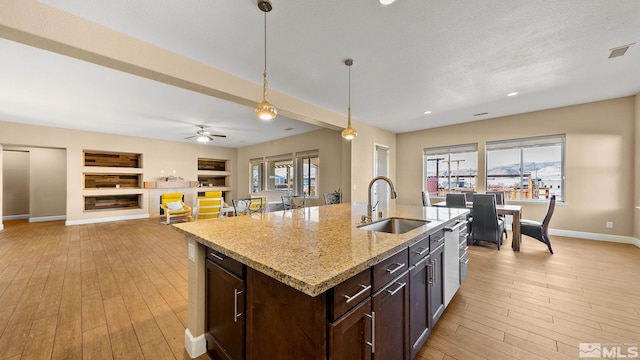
[
  {"x": 265, "y": 110},
  {"x": 349, "y": 133}
]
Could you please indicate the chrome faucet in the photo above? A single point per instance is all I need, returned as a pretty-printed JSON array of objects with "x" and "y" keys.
[{"x": 394, "y": 195}]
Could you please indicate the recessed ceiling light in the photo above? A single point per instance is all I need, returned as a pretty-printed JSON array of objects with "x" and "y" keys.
[
  {"x": 619, "y": 51},
  {"x": 428, "y": 112},
  {"x": 513, "y": 93},
  {"x": 288, "y": 129},
  {"x": 387, "y": 2}
]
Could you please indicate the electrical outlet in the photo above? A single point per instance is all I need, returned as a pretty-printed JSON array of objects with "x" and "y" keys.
[{"x": 609, "y": 224}]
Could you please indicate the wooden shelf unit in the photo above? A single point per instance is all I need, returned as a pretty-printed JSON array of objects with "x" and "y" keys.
[
  {"x": 109, "y": 181},
  {"x": 112, "y": 159},
  {"x": 212, "y": 164},
  {"x": 112, "y": 202},
  {"x": 214, "y": 175}
]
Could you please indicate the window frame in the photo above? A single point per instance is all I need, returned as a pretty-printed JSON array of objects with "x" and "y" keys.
[
  {"x": 521, "y": 144},
  {"x": 301, "y": 156},
  {"x": 269, "y": 160},
  {"x": 260, "y": 163},
  {"x": 448, "y": 150}
]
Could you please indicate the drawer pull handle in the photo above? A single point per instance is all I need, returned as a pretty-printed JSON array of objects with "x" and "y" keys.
[
  {"x": 421, "y": 251},
  {"x": 421, "y": 261},
  {"x": 398, "y": 267},
  {"x": 373, "y": 331},
  {"x": 217, "y": 256},
  {"x": 396, "y": 290},
  {"x": 364, "y": 289},
  {"x": 236, "y": 315}
]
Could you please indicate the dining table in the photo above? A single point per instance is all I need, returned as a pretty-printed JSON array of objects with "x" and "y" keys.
[{"x": 513, "y": 210}]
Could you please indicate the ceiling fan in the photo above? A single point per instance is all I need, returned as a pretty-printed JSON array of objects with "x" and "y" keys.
[{"x": 203, "y": 136}]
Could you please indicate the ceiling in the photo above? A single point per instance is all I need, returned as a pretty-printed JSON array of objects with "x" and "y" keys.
[{"x": 455, "y": 59}]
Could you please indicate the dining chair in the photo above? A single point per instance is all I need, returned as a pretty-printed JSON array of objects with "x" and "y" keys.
[
  {"x": 426, "y": 200},
  {"x": 456, "y": 200},
  {"x": 540, "y": 230},
  {"x": 500, "y": 201},
  {"x": 245, "y": 206},
  {"x": 469, "y": 195},
  {"x": 332, "y": 198},
  {"x": 487, "y": 226},
  {"x": 294, "y": 202}
]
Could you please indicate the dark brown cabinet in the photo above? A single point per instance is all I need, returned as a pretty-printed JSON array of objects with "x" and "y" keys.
[
  {"x": 419, "y": 292},
  {"x": 391, "y": 320},
  {"x": 436, "y": 291},
  {"x": 350, "y": 335},
  {"x": 225, "y": 320}
]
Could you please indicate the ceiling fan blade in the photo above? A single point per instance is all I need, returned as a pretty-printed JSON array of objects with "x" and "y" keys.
[
  {"x": 190, "y": 137},
  {"x": 222, "y": 136}
]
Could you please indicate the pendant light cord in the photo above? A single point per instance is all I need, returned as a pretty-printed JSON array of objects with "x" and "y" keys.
[{"x": 265, "y": 43}]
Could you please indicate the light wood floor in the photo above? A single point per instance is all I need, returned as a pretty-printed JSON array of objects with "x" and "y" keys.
[{"x": 119, "y": 291}]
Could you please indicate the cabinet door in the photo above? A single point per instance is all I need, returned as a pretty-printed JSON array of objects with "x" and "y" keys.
[
  {"x": 391, "y": 320},
  {"x": 225, "y": 320},
  {"x": 436, "y": 295},
  {"x": 419, "y": 316},
  {"x": 350, "y": 335}
]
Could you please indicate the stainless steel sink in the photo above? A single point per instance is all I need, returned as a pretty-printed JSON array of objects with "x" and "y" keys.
[{"x": 393, "y": 225}]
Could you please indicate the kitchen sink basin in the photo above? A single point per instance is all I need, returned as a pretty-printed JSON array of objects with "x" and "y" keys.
[{"x": 393, "y": 225}]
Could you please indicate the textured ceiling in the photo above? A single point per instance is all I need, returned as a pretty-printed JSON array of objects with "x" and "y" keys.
[{"x": 455, "y": 59}]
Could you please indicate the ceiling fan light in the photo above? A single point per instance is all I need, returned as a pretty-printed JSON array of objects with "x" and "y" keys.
[
  {"x": 202, "y": 139},
  {"x": 265, "y": 110}
]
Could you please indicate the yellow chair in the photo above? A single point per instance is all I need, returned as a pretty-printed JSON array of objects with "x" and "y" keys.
[
  {"x": 259, "y": 203},
  {"x": 174, "y": 207},
  {"x": 208, "y": 207}
]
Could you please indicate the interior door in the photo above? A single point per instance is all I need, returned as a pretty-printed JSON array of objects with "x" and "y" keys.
[{"x": 380, "y": 168}]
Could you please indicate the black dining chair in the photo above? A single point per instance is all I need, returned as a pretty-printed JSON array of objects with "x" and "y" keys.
[
  {"x": 456, "y": 200},
  {"x": 500, "y": 201},
  {"x": 487, "y": 226},
  {"x": 540, "y": 230}
]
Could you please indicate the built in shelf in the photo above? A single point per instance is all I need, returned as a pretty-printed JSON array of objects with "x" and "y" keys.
[
  {"x": 113, "y": 181},
  {"x": 212, "y": 164},
  {"x": 112, "y": 159},
  {"x": 111, "y": 202},
  {"x": 173, "y": 184}
]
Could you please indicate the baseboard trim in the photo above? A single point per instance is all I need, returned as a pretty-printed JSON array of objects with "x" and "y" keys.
[
  {"x": 595, "y": 236},
  {"x": 105, "y": 219},
  {"x": 1, "y": 226},
  {"x": 15, "y": 217},
  {"x": 47, "y": 218},
  {"x": 195, "y": 346}
]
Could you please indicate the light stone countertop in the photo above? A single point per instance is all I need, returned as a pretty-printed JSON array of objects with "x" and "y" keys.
[{"x": 312, "y": 249}]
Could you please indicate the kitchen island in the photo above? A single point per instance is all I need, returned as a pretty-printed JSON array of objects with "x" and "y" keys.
[{"x": 291, "y": 269}]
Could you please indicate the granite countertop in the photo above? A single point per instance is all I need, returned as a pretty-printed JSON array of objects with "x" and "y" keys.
[{"x": 312, "y": 249}]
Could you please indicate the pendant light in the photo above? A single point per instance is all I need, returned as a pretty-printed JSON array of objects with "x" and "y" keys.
[
  {"x": 265, "y": 110},
  {"x": 349, "y": 133}
]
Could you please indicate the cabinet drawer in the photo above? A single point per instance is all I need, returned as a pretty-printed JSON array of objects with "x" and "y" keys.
[
  {"x": 463, "y": 249},
  {"x": 351, "y": 292},
  {"x": 226, "y": 262},
  {"x": 436, "y": 239},
  {"x": 418, "y": 250},
  {"x": 390, "y": 268}
]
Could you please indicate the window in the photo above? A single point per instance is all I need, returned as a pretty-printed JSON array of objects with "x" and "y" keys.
[
  {"x": 527, "y": 169},
  {"x": 307, "y": 173},
  {"x": 280, "y": 173},
  {"x": 256, "y": 169},
  {"x": 450, "y": 169}
]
